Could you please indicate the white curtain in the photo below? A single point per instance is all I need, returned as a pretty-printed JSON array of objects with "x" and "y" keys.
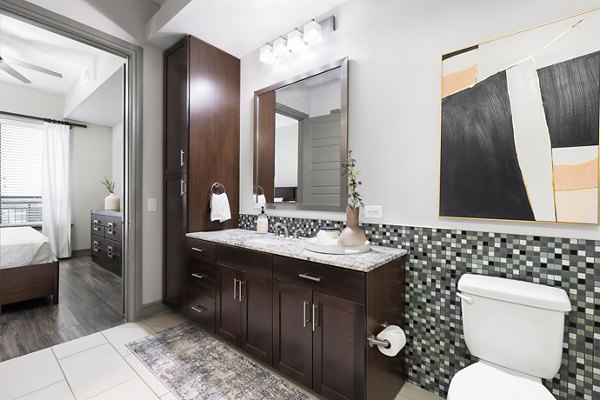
[{"x": 56, "y": 188}]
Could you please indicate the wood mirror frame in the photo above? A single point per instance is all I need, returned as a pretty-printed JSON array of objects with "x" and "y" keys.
[{"x": 264, "y": 139}]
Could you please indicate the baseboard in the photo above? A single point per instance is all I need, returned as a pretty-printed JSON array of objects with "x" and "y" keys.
[
  {"x": 155, "y": 307},
  {"x": 80, "y": 253}
]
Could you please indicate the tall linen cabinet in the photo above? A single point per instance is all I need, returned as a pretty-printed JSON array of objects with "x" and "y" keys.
[{"x": 201, "y": 147}]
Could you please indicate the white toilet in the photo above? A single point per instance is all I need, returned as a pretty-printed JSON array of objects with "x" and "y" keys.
[{"x": 516, "y": 330}]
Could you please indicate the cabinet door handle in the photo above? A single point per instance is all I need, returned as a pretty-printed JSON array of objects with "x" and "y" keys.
[
  {"x": 198, "y": 276},
  {"x": 310, "y": 278},
  {"x": 314, "y": 316},
  {"x": 235, "y": 288},
  {"x": 240, "y": 291},
  {"x": 304, "y": 320},
  {"x": 183, "y": 188},
  {"x": 198, "y": 309},
  {"x": 181, "y": 157},
  {"x": 197, "y": 249}
]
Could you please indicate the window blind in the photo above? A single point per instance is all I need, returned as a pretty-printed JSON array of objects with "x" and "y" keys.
[{"x": 20, "y": 172}]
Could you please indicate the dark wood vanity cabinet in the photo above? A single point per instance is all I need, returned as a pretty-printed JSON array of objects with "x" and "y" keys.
[
  {"x": 308, "y": 320},
  {"x": 319, "y": 327},
  {"x": 244, "y": 300},
  {"x": 201, "y": 147}
]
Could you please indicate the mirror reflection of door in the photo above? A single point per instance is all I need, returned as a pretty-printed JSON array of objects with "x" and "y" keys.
[{"x": 307, "y": 141}]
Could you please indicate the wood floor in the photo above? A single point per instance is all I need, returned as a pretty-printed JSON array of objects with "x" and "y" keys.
[{"x": 90, "y": 301}]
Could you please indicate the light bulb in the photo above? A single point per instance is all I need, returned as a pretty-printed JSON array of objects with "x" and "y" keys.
[
  {"x": 266, "y": 54},
  {"x": 295, "y": 41},
  {"x": 312, "y": 32},
  {"x": 280, "y": 48}
]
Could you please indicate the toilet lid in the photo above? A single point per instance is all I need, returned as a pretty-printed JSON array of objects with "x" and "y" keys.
[{"x": 484, "y": 382}]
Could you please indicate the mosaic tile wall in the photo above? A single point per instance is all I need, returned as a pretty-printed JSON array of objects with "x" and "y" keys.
[{"x": 438, "y": 258}]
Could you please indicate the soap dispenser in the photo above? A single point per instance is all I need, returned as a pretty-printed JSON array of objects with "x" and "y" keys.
[{"x": 262, "y": 222}]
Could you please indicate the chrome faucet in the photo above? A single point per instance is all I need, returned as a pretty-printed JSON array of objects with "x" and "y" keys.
[
  {"x": 297, "y": 231},
  {"x": 278, "y": 226}
]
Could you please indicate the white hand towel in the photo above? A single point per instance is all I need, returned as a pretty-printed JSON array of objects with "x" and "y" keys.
[
  {"x": 261, "y": 200},
  {"x": 219, "y": 207}
]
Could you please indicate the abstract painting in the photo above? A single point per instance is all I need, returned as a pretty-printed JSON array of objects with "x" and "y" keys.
[{"x": 520, "y": 125}]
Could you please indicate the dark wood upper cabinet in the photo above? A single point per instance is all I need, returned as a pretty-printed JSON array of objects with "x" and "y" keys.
[{"x": 201, "y": 141}]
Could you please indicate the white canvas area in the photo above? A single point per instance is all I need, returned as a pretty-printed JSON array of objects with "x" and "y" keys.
[{"x": 574, "y": 155}]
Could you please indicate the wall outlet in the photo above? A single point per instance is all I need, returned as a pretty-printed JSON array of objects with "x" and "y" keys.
[
  {"x": 373, "y": 212},
  {"x": 151, "y": 204}
]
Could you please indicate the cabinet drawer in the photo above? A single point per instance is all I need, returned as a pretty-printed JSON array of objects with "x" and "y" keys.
[
  {"x": 112, "y": 234},
  {"x": 201, "y": 281},
  {"x": 97, "y": 219},
  {"x": 112, "y": 222},
  {"x": 200, "y": 308},
  {"x": 97, "y": 230},
  {"x": 246, "y": 260},
  {"x": 340, "y": 282},
  {"x": 112, "y": 246},
  {"x": 201, "y": 250}
]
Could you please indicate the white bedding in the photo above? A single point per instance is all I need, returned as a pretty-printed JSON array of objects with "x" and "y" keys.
[{"x": 21, "y": 246}]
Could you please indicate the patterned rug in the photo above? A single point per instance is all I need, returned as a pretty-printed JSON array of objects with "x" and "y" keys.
[{"x": 196, "y": 366}]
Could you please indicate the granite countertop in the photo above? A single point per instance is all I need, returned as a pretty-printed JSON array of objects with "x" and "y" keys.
[{"x": 290, "y": 247}]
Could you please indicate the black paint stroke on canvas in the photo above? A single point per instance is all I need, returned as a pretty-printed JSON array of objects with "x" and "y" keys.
[
  {"x": 570, "y": 93},
  {"x": 480, "y": 175}
]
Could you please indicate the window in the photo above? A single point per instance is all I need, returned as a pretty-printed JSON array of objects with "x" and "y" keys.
[{"x": 20, "y": 173}]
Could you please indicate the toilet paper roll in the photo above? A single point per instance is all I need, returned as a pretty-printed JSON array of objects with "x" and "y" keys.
[{"x": 395, "y": 335}]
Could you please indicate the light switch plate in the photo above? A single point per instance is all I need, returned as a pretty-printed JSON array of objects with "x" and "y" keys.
[
  {"x": 373, "y": 212},
  {"x": 151, "y": 204}
]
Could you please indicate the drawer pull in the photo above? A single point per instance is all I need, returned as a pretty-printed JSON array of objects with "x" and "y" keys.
[
  {"x": 109, "y": 251},
  {"x": 198, "y": 309},
  {"x": 197, "y": 249},
  {"x": 198, "y": 276},
  {"x": 310, "y": 278},
  {"x": 181, "y": 158},
  {"x": 110, "y": 224},
  {"x": 96, "y": 227},
  {"x": 110, "y": 231},
  {"x": 96, "y": 222}
]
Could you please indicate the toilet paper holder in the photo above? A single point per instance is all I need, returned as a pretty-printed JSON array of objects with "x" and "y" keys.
[{"x": 373, "y": 341}]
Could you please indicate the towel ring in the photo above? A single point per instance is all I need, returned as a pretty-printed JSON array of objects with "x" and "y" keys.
[{"x": 217, "y": 188}]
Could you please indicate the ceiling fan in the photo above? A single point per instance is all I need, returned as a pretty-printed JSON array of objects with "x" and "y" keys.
[{"x": 6, "y": 67}]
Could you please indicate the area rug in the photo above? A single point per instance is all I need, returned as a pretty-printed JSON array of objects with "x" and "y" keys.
[{"x": 195, "y": 365}]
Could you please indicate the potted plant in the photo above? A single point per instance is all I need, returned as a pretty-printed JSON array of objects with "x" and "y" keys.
[
  {"x": 111, "y": 202},
  {"x": 352, "y": 235}
]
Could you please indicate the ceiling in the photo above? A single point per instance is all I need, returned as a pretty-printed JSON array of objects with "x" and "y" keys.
[{"x": 21, "y": 41}]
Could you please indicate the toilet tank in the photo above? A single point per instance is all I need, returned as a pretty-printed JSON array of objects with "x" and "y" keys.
[{"x": 514, "y": 324}]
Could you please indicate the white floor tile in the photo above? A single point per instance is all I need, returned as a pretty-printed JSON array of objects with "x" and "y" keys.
[
  {"x": 177, "y": 320},
  {"x": 169, "y": 396},
  {"x": 147, "y": 375},
  {"x": 96, "y": 370},
  {"x": 28, "y": 373},
  {"x": 132, "y": 389},
  {"x": 413, "y": 392},
  {"x": 78, "y": 345},
  {"x": 123, "y": 334},
  {"x": 160, "y": 318},
  {"x": 58, "y": 391}
]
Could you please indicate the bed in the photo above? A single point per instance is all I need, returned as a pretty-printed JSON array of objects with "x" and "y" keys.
[{"x": 28, "y": 267}]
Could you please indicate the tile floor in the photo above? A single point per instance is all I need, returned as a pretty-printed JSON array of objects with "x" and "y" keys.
[{"x": 100, "y": 367}]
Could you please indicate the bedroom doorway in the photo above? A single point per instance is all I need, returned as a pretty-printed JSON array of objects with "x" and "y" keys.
[{"x": 97, "y": 282}]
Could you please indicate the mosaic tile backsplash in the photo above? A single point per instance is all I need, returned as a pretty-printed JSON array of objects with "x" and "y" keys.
[{"x": 437, "y": 259}]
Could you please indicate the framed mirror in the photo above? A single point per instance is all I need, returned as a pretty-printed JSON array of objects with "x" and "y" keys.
[{"x": 300, "y": 140}]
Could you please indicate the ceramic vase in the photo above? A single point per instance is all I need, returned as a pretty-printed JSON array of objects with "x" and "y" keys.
[
  {"x": 352, "y": 235},
  {"x": 112, "y": 202}
]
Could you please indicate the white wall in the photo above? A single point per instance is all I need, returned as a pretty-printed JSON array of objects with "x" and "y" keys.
[
  {"x": 152, "y": 181},
  {"x": 395, "y": 49},
  {"x": 91, "y": 161},
  {"x": 286, "y": 152},
  {"x": 91, "y": 150},
  {"x": 117, "y": 160}
]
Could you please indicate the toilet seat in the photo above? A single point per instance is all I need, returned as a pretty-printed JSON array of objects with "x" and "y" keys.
[{"x": 481, "y": 381}]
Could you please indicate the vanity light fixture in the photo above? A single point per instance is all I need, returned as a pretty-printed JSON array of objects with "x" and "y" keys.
[
  {"x": 266, "y": 54},
  {"x": 280, "y": 48},
  {"x": 297, "y": 40},
  {"x": 313, "y": 32}
]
